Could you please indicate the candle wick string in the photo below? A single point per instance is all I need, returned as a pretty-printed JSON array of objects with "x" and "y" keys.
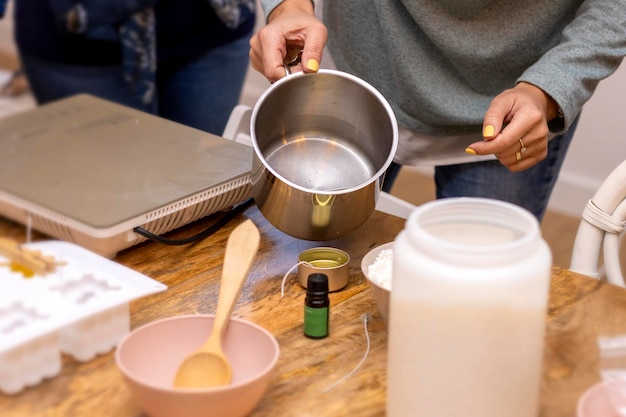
[
  {"x": 366, "y": 318},
  {"x": 282, "y": 286}
]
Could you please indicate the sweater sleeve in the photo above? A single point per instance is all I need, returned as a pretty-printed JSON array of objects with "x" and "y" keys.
[
  {"x": 268, "y": 6},
  {"x": 592, "y": 47}
]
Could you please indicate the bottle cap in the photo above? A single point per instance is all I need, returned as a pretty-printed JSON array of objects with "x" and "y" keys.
[{"x": 317, "y": 284}]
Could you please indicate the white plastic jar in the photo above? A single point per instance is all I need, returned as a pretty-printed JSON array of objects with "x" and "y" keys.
[{"x": 468, "y": 311}]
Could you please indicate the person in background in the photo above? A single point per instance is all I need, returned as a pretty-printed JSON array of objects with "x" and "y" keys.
[
  {"x": 489, "y": 92},
  {"x": 184, "y": 60}
]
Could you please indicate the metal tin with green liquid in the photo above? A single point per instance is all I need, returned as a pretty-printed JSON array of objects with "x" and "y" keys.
[{"x": 332, "y": 262}]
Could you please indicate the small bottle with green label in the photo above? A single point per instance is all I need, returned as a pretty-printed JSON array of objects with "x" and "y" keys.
[{"x": 316, "y": 307}]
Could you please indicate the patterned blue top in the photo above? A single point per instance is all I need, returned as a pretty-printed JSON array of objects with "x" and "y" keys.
[{"x": 184, "y": 28}]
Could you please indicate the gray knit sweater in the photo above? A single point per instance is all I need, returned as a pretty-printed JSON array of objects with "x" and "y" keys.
[{"x": 440, "y": 62}]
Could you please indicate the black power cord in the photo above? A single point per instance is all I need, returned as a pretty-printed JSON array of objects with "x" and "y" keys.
[{"x": 203, "y": 234}]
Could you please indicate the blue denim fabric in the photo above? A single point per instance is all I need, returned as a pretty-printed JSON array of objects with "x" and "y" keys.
[
  {"x": 203, "y": 93},
  {"x": 390, "y": 176},
  {"x": 529, "y": 189},
  {"x": 200, "y": 92}
]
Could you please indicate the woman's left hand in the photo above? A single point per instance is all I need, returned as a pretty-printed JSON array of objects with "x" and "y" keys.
[{"x": 515, "y": 127}]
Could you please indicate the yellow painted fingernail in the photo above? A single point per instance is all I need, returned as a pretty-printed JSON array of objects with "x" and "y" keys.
[
  {"x": 488, "y": 131},
  {"x": 312, "y": 64},
  {"x": 470, "y": 151}
]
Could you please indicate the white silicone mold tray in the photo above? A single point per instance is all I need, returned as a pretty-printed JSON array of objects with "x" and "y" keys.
[{"x": 81, "y": 309}]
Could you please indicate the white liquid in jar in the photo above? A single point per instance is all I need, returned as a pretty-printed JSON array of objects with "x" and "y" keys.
[{"x": 463, "y": 358}]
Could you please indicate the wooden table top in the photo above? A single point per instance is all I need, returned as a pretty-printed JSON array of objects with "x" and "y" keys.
[{"x": 580, "y": 310}]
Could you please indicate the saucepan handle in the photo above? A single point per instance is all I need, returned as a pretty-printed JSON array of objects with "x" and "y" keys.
[{"x": 292, "y": 62}]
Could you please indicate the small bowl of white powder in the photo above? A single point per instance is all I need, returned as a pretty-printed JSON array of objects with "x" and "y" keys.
[{"x": 376, "y": 267}]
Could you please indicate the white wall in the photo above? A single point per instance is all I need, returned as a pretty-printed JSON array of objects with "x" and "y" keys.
[{"x": 599, "y": 146}]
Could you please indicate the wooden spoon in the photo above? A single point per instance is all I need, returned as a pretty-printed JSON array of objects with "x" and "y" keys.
[{"x": 208, "y": 366}]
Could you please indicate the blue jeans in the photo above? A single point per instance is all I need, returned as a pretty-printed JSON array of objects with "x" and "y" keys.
[
  {"x": 200, "y": 93},
  {"x": 529, "y": 189}
]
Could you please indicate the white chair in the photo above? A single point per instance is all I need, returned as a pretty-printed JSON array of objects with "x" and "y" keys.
[
  {"x": 602, "y": 226},
  {"x": 238, "y": 126}
]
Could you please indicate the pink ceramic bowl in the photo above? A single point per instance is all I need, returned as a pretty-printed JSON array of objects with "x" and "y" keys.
[
  {"x": 149, "y": 357},
  {"x": 603, "y": 400},
  {"x": 380, "y": 294}
]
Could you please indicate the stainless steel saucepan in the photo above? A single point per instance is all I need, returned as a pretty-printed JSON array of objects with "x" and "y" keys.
[{"x": 322, "y": 143}]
